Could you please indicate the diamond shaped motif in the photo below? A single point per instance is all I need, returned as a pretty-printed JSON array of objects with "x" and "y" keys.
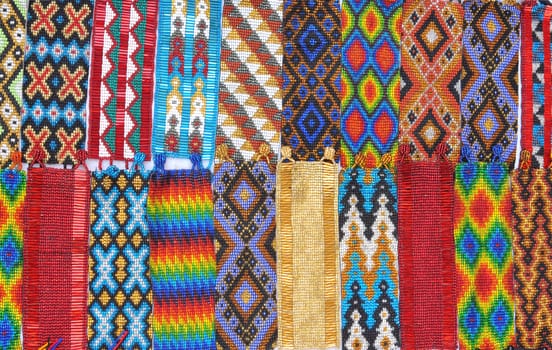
[
  {"x": 371, "y": 22},
  {"x": 500, "y": 318},
  {"x": 244, "y": 195},
  {"x": 11, "y": 256},
  {"x": 312, "y": 123},
  {"x": 469, "y": 246},
  {"x": 354, "y": 125},
  {"x": 429, "y": 132},
  {"x": 356, "y": 55},
  {"x": 471, "y": 321},
  {"x": 498, "y": 245},
  {"x": 312, "y": 41},
  {"x": 432, "y": 36},
  {"x": 7, "y": 332}
]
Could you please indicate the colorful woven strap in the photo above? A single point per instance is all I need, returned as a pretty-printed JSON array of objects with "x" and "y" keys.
[
  {"x": 121, "y": 82},
  {"x": 536, "y": 80},
  {"x": 484, "y": 268},
  {"x": 183, "y": 268},
  {"x": 245, "y": 210},
  {"x": 55, "y": 79},
  {"x": 55, "y": 263},
  {"x": 311, "y": 72},
  {"x": 369, "y": 266},
  {"x": 308, "y": 254},
  {"x": 13, "y": 185},
  {"x": 12, "y": 24},
  {"x": 431, "y": 69},
  {"x": 120, "y": 297},
  {"x": 187, "y": 78},
  {"x": 426, "y": 254},
  {"x": 370, "y": 81},
  {"x": 532, "y": 213},
  {"x": 490, "y": 83},
  {"x": 250, "y": 73}
]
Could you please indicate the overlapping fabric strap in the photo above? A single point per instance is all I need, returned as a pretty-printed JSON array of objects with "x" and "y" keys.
[
  {"x": 311, "y": 73},
  {"x": 370, "y": 80},
  {"x": 308, "y": 253},
  {"x": 12, "y": 22},
  {"x": 55, "y": 79},
  {"x": 490, "y": 78},
  {"x": 121, "y": 82},
  {"x": 484, "y": 262},
  {"x": 187, "y": 78},
  {"x": 536, "y": 75},
  {"x": 120, "y": 296},
  {"x": 431, "y": 69},
  {"x": 426, "y": 253},
  {"x": 531, "y": 213},
  {"x": 369, "y": 265},
  {"x": 250, "y": 105},
  {"x": 245, "y": 210},
  {"x": 182, "y": 262},
  {"x": 13, "y": 185},
  {"x": 55, "y": 259}
]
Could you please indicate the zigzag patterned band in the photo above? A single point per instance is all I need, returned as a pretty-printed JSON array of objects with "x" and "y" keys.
[
  {"x": 183, "y": 267},
  {"x": 121, "y": 84},
  {"x": 369, "y": 259}
]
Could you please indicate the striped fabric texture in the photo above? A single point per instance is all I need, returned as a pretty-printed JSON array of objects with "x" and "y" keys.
[
  {"x": 484, "y": 263},
  {"x": 13, "y": 184},
  {"x": 187, "y": 78},
  {"x": 308, "y": 274},
  {"x": 55, "y": 257},
  {"x": 250, "y": 95},
  {"x": 182, "y": 257},
  {"x": 426, "y": 252},
  {"x": 121, "y": 84}
]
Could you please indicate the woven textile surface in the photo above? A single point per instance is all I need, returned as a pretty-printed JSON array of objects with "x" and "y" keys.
[
  {"x": 182, "y": 262},
  {"x": 536, "y": 75},
  {"x": 120, "y": 297},
  {"x": 490, "y": 78},
  {"x": 431, "y": 68},
  {"x": 245, "y": 210},
  {"x": 12, "y": 24},
  {"x": 13, "y": 185},
  {"x": 250, "y": 102},
  {"x": 121, "y": 78},
  {"x": 55, "y": 79},
  {"x": 369, "y": 266},
  {"x": 484, "y": 265},
  {"x": 55, "y": 263},
  {"x": 426, "y": 255},
  {"x": 187, "y": 78},
  {"x": 308, "y": 274},
  {"x": 311, "y": 73},
  {"x": 370, "y": 81},
  {"x": 531, "y": 213}
]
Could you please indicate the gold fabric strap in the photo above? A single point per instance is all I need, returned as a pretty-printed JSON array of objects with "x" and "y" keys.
[{"x": 308, "y": 259}]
